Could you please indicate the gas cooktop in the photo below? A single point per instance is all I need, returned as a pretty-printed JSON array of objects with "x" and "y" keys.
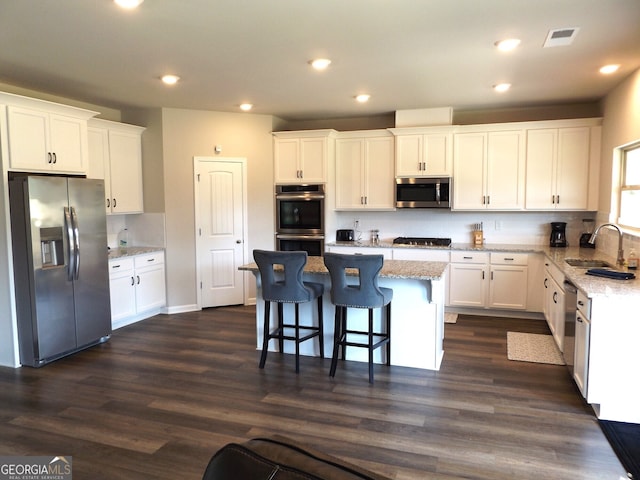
[{"x": 426, "y": 241}]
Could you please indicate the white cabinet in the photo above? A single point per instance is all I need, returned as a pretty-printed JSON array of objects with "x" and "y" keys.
[
  {"x": 364, "y": 172},
  {"x": 559, "y": 165},
  {"x": 582, "y": 341},
  {"x": 488, "y": 280},
  {"x": 137, "y": 285},
  {"x": 122, "y": 288},
  {"x": 423, "y": 153},
  {"x": 115, "y": 154},
  {"x": 468, "y": 283},
  {"x": 52, "y": 139},
  {"x": 488, "y": 170},
  {"x": 508, "y": 281},
  {"x": 554, "y": 303},
  {"x": 303, "y": 157}
]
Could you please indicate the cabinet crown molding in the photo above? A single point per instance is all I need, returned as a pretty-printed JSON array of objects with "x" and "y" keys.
[{"x": 52, "y": 107}]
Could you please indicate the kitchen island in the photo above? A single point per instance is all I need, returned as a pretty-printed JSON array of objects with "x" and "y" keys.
[{"x": 417, "y": 313}]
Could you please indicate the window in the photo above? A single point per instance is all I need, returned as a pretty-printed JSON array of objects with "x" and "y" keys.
[{"x": 630, "y": 187}]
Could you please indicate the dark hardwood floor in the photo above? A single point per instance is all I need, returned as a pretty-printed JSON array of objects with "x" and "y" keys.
[{"x": 163, "y": 395}]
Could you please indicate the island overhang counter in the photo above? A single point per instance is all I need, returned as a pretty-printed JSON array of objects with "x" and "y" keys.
[{"x": 417, "y": 313}]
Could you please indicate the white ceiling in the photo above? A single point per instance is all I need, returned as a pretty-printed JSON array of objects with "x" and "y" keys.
[{"x": 406, "y": 53}]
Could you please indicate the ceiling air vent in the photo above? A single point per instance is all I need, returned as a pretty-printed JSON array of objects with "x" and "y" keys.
[{"x": 561, "y": 37}]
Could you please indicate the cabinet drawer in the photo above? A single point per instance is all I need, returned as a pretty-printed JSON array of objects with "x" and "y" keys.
[
  {"x": 149, "y": 259},
  {"x": 469, "y": 257},
  {"x": 120, "y": 266},
  {"x": 584, "y": 304},
  {"x": 499, "y": 258}
]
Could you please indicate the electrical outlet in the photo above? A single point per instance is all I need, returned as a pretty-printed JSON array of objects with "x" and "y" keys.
[{"x": 356, "y": 223}]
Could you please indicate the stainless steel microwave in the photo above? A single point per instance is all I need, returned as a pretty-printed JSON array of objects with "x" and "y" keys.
[{"x": 423, "y": 192}]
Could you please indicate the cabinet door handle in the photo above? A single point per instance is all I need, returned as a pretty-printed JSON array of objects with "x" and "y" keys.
[
  {"x": 152, "y": 260},
  {"x": 55, "y": 158},
  {"x": 114, "y": 203},
  {"x": 555, "y": 297},
  {"x": 132, "y": 281},
  {"x": 545, "y": 283},
  {"x": 49, "y": 157},
  {"x": 558, "y": 199},
  {"x": 506, "y": 259},
  {"x": 108, "y": 203},
  {"x": 483, "y": 274},
  {"x": 581, "y": 303},
  {"x": 365, "y": 200},
  {"x": 579, "y": 319},
  {"x": 488, "y": 199},
  {"x": 138, "y": 277},
  {"x": 468, "y": 258},
  {"x": 491, "y": 275}
]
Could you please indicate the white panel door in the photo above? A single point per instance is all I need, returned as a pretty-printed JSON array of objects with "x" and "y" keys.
[{"x": 220, "y": 231}]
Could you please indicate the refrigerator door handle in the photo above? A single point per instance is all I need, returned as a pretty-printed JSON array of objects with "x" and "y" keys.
[
  {"x": 76, "y": 243},
  {"x": 68, "y": 226}
]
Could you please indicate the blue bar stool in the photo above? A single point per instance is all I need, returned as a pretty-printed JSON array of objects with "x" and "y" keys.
[
  {"x": 287, "y": 287},
  {"x": 361, "y": 292}
]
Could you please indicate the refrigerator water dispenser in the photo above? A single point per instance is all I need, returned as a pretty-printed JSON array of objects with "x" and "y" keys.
[{"x": 51, "y": 247}]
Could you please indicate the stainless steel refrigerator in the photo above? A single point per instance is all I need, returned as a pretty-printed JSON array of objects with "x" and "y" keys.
[{"x": 59, "y": 238}]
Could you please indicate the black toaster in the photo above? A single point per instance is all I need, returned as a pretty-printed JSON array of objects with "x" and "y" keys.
[{"x": 344, "y": 235}]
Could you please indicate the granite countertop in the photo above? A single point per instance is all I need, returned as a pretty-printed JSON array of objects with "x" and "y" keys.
[
  {"x": 592, "y": 286},
  {"x": 402, "y": 269},
  {"x": 132, "y": 251}
]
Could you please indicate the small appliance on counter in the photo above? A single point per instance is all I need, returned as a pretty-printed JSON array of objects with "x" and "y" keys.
[
  {"x": 344, "y": 235},
  {"x": 587, "y": 224},
  {"x": 558, "y": 234}
]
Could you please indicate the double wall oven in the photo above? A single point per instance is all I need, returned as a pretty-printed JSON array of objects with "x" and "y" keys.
[{"x": 300, "y": 218}]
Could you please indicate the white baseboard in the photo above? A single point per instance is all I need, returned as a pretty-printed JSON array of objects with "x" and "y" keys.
[{"x": 181, "y": 309}]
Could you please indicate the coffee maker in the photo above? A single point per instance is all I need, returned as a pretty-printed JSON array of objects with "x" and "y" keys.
[
  {"x": 558, "y": 234},
  {"x": 586, "y": 236}
]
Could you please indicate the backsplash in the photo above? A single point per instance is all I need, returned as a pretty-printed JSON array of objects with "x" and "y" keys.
[
  {"x": 145, "y": 229},
  {"x": 498, "y": 227}
]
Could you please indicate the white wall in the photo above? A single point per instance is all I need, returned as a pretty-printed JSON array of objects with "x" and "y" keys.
[
  {"x": 189, "y": 133},
  {"x": 621, "y": 125}
]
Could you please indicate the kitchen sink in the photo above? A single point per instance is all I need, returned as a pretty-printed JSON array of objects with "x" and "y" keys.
[{"x": 584, "y": 263}]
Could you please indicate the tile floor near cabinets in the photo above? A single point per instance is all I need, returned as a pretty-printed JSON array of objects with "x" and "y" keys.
[{"x": 164, "y": 394}]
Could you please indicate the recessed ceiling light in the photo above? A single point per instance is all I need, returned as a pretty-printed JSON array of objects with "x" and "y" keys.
[
  {"x": 363, "y": 97},
  {"x": 508, "y": 44},
  {"x": 129, "y": 4},
  {"x": 245, "y": 107},
  {"x": 609, "y": 69},
  {"x": 170, "y": 79},
  {"x": 502, "y": 87},
  {"x": 320, "y": 63}
]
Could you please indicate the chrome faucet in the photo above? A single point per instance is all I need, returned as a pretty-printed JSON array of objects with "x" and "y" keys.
[{"x": 592, "y": 240}]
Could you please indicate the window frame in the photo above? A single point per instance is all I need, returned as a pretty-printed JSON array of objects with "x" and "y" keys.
[{"x": 624, "y": 187}]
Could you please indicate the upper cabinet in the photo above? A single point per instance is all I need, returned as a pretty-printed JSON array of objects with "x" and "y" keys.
[
  {"x": 365, "y": 171},
  {"x": 45, "y": 136},
  {"x": 562, "y": 166},
  {"x": 423, "y": 152},
  {"x": 488, "y": 170},
  {"x": 303, "y": 157},
  {"x": 115, "y": 153}
]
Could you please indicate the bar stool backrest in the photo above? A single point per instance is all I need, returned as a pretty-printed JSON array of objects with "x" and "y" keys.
[
  {"x": 357, "y": 287},
  {"x": 288, "y": 288}
]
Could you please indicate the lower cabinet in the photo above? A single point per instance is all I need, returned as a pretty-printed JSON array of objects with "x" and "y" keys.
[
  {"x": 554, "y": 303},
  {"x": 488, "y": 280},
  {"x": 582, "y": 340},
  {"x": 137, "y": 285}
]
